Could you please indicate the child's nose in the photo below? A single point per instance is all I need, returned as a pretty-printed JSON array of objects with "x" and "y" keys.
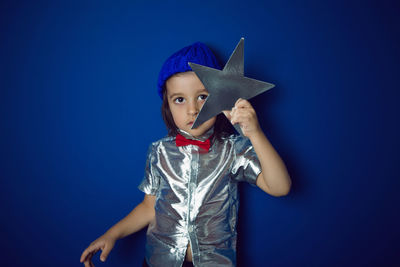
[{"x": 193, "y": 108}]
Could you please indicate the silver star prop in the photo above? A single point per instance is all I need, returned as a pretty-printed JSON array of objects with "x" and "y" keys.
[{"x": 227, "y": 86}]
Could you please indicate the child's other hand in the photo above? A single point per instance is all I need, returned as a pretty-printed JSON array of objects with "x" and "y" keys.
[
  {"x": 244, "y": 114},
  {"x": 104, "y": 243}
]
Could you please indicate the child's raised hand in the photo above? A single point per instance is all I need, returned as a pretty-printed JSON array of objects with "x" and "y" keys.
[
  {"x": 104, "y": 243},
  {"x": 244, "y": 114}
]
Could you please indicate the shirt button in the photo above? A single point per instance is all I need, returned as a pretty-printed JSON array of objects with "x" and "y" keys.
[
  {"x": 193, "y": 165},
  {"x": 191, "y": 228}
]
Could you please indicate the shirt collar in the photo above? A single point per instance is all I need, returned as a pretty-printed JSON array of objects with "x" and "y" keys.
[{"x": 202, "y": 137}]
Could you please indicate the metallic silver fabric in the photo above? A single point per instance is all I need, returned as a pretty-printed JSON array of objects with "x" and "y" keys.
[{"x": 196, "y": 199}]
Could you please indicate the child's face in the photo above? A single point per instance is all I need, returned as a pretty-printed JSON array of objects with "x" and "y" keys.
[{"x": 186, "y": 95}]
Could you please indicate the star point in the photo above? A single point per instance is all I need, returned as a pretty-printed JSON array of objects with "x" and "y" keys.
[{"x": 226, "y": 86}]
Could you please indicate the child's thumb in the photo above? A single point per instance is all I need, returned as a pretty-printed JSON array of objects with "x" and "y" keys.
[
  {"x": 227, "y": 114},
  {"x": 104, "y": 254}
]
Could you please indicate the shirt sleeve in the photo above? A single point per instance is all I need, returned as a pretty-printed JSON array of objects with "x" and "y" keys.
[
  {"x": 150, "y": 182},
  {"x": 246, "y": 166}
]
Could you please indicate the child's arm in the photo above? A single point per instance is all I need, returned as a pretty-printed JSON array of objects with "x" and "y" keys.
[
  {"x": 274, "y": 178},
  {"x": 137, "y": 219}
]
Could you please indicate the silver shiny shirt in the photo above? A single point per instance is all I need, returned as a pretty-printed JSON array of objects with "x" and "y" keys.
[{"x": 196, "y": 199}]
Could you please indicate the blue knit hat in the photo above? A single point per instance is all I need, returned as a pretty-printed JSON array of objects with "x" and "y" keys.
[{"x": 197, "y": 53}]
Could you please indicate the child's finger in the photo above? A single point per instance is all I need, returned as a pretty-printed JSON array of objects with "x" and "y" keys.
[
  {"x": 88, "y": 261},
  {"x": 91, "y": 255},
  {"x": 241, "y": 115},
  {"x": 242, "y": 103},
  {"x": 93, "y": 248},
  {"x": 87, "y": 257},
  {"x": 233, "y": 115},
  {"x": 91, "y": 264},
  {"x": 238, "y": 100},
  {"x": 84, "y": 254},
  {"x": 239, "y": 119}
]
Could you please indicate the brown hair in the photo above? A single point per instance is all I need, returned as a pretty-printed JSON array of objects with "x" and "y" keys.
[{"x": 222, "y": 127}]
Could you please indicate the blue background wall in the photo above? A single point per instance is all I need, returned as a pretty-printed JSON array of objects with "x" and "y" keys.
[{"x": 79, "y": 107}]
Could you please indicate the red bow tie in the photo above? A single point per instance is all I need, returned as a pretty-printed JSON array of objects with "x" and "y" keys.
[{"x": 182, "y": 141}]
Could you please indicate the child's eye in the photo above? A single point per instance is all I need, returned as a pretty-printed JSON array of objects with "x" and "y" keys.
[
  {"x": 203, "y": 97},
  {"x": 179, "y": 100}
]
